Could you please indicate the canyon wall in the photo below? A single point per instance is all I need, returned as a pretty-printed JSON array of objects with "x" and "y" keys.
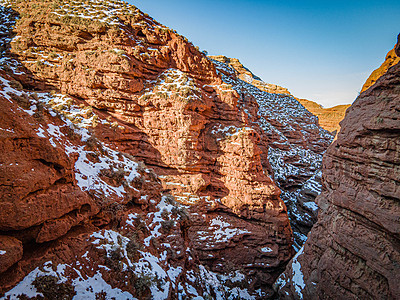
[
  {"x": 133, "y": 160},
  {"x": 391, "y": 59},
  {"x": 353, "y": 251},
  {"x": 292, "y": 142},
  {"x": 329, "y": 118}
]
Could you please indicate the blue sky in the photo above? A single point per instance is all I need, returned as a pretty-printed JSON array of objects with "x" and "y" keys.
[{"x": 320, "y": 50}]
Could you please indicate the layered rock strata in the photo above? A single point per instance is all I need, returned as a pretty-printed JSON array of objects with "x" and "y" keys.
[
  {"x": 90, "y": 89},
  {"x": 99, "y": 87},
  {"x": 245, "y": 74},
  {"x": 353, "y": 251},
  {"x": 329, "y": 118},
  {"x": 392, "y": 58},
  {"x": 292, "y": 142}
]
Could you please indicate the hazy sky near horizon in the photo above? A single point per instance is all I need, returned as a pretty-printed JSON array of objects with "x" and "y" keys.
[{"x": 320, "y": 50}]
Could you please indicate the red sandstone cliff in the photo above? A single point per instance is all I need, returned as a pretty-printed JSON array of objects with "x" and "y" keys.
[
  {"x": 291, "y": 140},
  {"x": 92, "y": 89},
  {"x": 391, "y": 59},
  {"x": 353, "y": 251},
  {"x": 329, "y": 118}
]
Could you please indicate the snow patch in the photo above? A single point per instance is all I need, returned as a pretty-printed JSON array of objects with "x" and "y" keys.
[
  {"x": 85, "y": 287},
  {"x": 298, "y": 278},
  {"x": 266, "y": 250}
]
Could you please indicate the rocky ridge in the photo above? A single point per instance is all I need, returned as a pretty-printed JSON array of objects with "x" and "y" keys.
[
  {"x": 353, "y": 251},
  {"x": 100, "y": 87},
  {"x": 291, "y": 140},
  {"x": 392, "y": 58},
  {"x": 245, "y": 74},
  {"x": 328, "y": 118}
]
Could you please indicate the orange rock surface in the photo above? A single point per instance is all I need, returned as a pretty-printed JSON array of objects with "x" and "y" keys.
[
  {"x": 391, "y": 59},
  {"x": 92, "y": 90},
  {"x": 329, "y": 118}
]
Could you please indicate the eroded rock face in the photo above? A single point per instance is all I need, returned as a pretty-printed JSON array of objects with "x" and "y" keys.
[
  {"x": 291, "y": 142},
  {"x": 353, "y": 250},
  {"x": 34, "y": 172},
  {"x": 391, "y": 59},
  {"x": 101, "y": 86},
  {"x": 10, "y": 253},
  {"x": 329, "y": 118},
  {"x": 95, "y": 95},
  {"x": 246, "y": 75}
]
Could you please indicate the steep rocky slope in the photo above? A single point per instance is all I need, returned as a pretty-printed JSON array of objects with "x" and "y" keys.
[
  {"x": 353, "y": 251},
  {"x": 90, "y": 90},
  {"x": 292, "y": 142},
  {"x": 245, "y": 74},
  {"x": 329, "y": 118}
]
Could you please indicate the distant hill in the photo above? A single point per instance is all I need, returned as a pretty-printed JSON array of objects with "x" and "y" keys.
[{"x": 329, "y": 118}]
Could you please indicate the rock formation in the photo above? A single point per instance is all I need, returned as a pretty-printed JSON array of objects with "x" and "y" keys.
[
  {"x": 291, "y": 139},
  {"x": 245, "y": 74},
  {"x": 91, "y": 90},
  {"x": 329, "y": 118},
  {"x": 391, "y": 59},
  {"x": 353, "y": 251}
]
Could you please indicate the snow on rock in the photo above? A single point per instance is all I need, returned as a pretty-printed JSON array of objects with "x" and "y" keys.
[
  {"x": 219, "y": 285},
  {"x": 311, "y": 205},
  {"x": 221, "y": 230},
  {"x": 160, "y": 274},
  {"x": 266, "y": 250},
  {"x": 87, "y": 173},
  {"x": 284, "y": 170},
  {"x": 7, "y": 21},
  {"x": 294, "y": 142},
  {"x": 172, "y": 82},
  {"x": 164, "y": 206},
  {"x": 297, "y": 278},
  {"x": 226, "y": 132},
  {"x": 80, "y": 119},
  {"x": 149, "y": 266},
  {"x": 7, "y": 90},
  {"x": 313, "y": 185},
  {"x": 85, "y": 287}
]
